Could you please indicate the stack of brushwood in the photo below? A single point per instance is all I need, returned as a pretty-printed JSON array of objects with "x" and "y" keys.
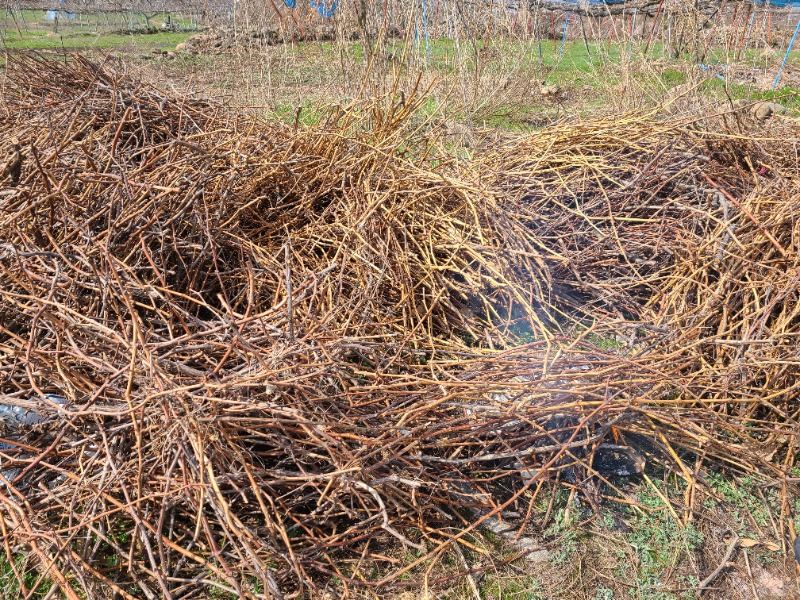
[
  {"x": 254, "y": 355},
  {"x": 221, "y": 40}
]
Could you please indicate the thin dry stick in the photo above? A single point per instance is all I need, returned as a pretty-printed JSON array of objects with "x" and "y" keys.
[{"x": 706, "y": 583}]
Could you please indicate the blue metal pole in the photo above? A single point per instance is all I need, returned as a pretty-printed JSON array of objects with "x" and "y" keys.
[
  {"x": 785, "y": 58},
  {"x": 564, "y": 37}
]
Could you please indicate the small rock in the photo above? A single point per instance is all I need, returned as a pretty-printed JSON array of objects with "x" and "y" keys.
[
  {"x": 550, "y": 91},
  {"x": 535, "y": 553},
  {"x": 765, "y": 110}
]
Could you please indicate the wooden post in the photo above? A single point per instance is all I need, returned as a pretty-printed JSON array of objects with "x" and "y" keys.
[
  {"x": 583, "y": 32},
  {"x": 653, "y": 28},
  {"x": 745, "y": 31},
  {"x": 769, "y": 27},
  {"x": 734, "y": 23},
  {"x": 713, "y": 29},
  {"x": 749, "y": 30}
]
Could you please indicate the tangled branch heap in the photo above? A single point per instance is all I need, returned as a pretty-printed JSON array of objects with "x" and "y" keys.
[{"x": 274, "y": 343}]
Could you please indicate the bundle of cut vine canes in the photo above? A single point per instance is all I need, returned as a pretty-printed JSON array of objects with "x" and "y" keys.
[{"x": 258, "y": 353}]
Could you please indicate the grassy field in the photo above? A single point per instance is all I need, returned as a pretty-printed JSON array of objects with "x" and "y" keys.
[
  {"x": 44, "y": 40},
  {"x": 30, "y": 30},
  {"x": 28, "y": 20},
  {"x": 494, "y": 85}
]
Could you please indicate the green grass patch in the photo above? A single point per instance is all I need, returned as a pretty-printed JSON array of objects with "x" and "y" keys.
[
  {"x": 9, "y": 584},
  {"x": 43, "y": 40},
  {"x": 788, "y": 96},
  {"x": 659, "y": 543},
  {"x": 509, "y": 587},
  {"x": 288, "y": 113}
]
